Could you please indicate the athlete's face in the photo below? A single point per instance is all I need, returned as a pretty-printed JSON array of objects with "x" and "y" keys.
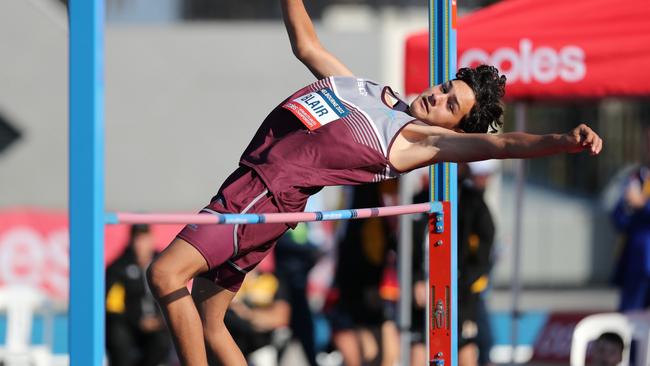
[{"x": 444, "y": 105}]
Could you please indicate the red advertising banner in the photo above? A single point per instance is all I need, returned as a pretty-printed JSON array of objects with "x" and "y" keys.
[
  {"x": 34, "y": 248},
  {"x": 551, "y": 49}
]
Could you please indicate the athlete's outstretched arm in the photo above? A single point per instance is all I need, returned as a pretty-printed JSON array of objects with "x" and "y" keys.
[
  {"x": 460, "y": 147},
  {"x": 305, "y": 43}
]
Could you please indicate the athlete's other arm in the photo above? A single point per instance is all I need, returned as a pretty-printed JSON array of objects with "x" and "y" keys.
[
  {"x": 461, "y": 147},
  {"x": 305, "y": 43}
]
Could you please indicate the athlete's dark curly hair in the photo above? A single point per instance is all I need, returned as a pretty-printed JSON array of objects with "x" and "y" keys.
[{"x": 488, "y": 89}]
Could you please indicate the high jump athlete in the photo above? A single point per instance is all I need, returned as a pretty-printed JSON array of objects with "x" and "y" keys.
[{"x": 340, "y": 130}]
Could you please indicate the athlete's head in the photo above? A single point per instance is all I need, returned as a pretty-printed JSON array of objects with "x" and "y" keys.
[{"x": 469, "y": 103}]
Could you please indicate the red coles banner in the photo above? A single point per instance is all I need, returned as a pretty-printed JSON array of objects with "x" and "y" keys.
[
  {"x": 551, "y": 49},
  {"x": 34, "y": 248}
]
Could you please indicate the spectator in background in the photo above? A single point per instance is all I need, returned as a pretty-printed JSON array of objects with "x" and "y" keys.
[
  {"x": 362, "y": 324},
  {"x": 295, "y": 256},
  {"x": 480, "y": 173},
  {"x": 631, "y": 217},
  {"x": 135, "y": 330},
  {"x": 607, "y": 350},
  {"x": 271, "y": 301},
  {"x": 258, "y": 314},
  {"x": 475, "y": 240}
]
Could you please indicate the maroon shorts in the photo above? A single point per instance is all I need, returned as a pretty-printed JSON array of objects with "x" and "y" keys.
[{"x": 233, "y": 250}]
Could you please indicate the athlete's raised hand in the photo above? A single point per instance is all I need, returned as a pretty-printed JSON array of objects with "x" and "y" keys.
[
  {"x": 583, "y": 138},
  {"x": 305, "y": 43}
]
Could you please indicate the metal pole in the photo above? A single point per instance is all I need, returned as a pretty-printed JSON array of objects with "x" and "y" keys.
[
  {"x": 443, "y": 178},
  {"x": 405, "y": 268},
  {"x": 86, "y": 182},
  {"x": 520, "y": 174}
]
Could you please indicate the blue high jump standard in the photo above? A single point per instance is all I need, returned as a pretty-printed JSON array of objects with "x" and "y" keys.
[
  {"x": 442, "y": 314},
  {"x": 86, "y": 182}
]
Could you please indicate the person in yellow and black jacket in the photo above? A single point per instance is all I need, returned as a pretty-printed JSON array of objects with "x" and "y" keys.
[
  {"x": 476, "y": 233},
  {"x": 135, "y": 330}
]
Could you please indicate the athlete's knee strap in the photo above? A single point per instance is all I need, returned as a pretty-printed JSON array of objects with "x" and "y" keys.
[{"x": 173, "y": 296}]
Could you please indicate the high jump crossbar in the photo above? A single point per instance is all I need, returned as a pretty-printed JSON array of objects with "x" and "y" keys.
[{"x": 211, "y": 217}]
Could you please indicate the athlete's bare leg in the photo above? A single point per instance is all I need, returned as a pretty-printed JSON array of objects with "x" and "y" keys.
[
  {"x": 212, "y": 302},
  {"x": 168, "y": 276}
]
